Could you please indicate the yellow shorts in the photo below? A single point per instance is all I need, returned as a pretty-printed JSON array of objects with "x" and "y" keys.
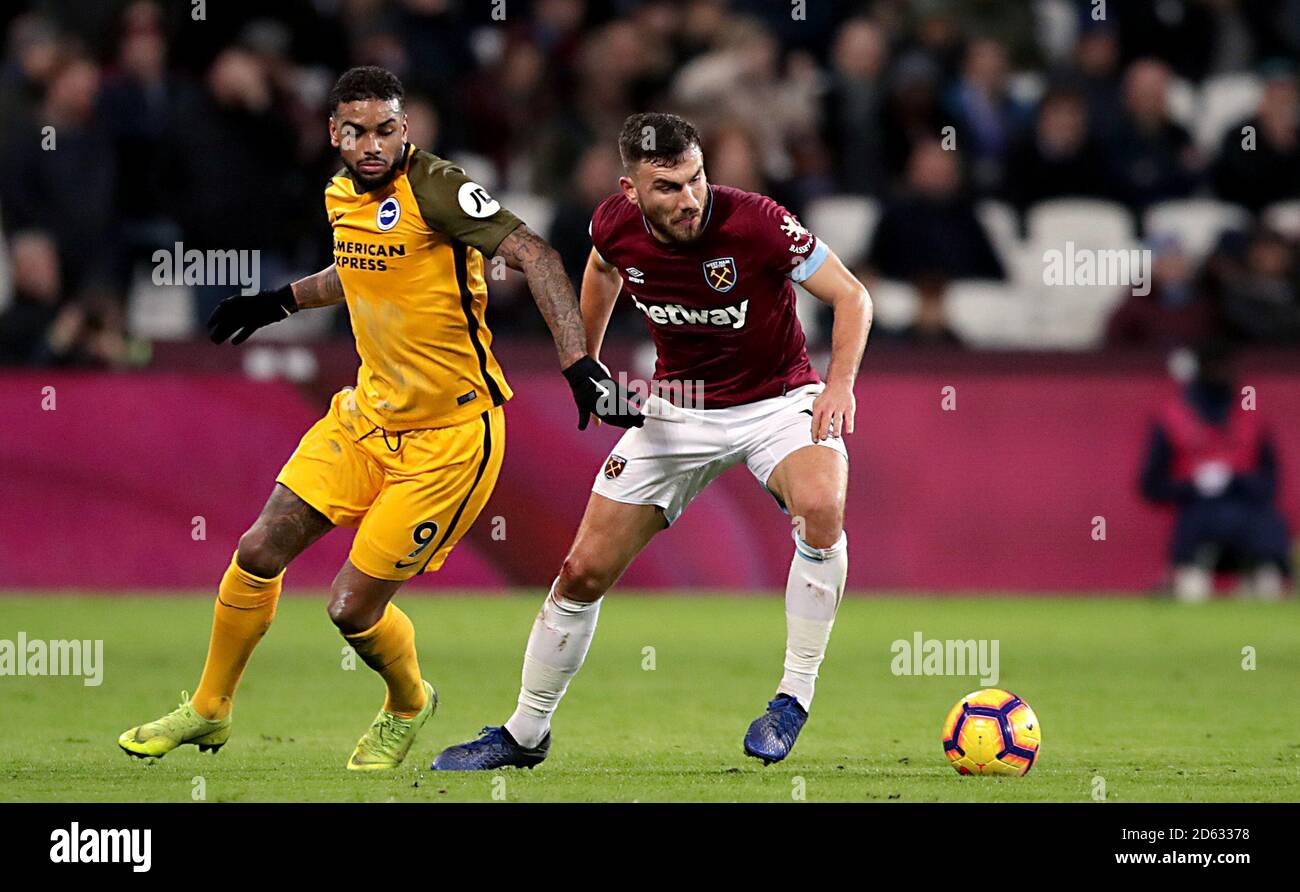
[{"x": 411, "y": 494}]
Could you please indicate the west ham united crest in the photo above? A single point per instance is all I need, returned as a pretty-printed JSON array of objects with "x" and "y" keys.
[
  {"x": 614, "y": 466},
  {"x": 721, "y": 273}
]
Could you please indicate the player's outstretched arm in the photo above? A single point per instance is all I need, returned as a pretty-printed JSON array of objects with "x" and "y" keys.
[
  {"x": 527, "y": 252},
  {"x": 835, "y": 286},
  {"x": 594, "y": 390},
  {"x": 601, "y": 285},
  {"x": 322, "y": 289},
  {"x": 243, "y": 314}
]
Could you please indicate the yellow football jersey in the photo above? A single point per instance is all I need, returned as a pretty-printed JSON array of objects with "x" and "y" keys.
[{"x": 410, "y": 256}]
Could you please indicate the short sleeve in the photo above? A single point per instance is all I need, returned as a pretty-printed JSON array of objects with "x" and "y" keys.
[
  {"x": 786, "y": 246},
  {"x": 455, "y": 205}
]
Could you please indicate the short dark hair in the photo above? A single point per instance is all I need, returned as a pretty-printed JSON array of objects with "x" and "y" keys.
[
  {"x": 365, "y": 82},
  {"x": 657, "y": 137}
]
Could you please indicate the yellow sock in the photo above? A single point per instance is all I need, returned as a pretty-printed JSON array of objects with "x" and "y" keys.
[
  {"x": 388, "y": 647},
  {"x": 243, "y": 612}
]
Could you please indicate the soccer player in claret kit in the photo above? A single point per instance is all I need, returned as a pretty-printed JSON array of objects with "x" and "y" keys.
[
  {"x": 712, "y": 268},
  {"x": 410, "y": 455}
]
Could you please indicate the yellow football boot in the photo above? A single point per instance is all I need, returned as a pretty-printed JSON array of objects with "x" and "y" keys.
[
  {"x": 389, "y": 738},
  {"x": 181, "y": 725}
]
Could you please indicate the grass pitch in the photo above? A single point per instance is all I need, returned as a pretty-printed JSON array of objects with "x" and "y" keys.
[{"x": 1150, "y": 697}]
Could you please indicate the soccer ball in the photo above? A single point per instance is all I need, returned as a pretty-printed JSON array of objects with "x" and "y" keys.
[{"x": 991, "y": 732}]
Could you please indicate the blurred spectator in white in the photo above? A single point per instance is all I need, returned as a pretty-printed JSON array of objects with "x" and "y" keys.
[
  {"x": 1258, "y": 169},
  {"x": 987, "y": 118},
  {"x": 1175, "y": 312},
  {"x": 1058, "y": 157},
  {"x": 931, "y": 231},
  {"x": 1152, "y": 157},
  {"x": 1213, "y": 461},
  {"x": 853, "y": 105},
  {"x": 743, "y": 79},
  {"x": 1262, "y": 304}
]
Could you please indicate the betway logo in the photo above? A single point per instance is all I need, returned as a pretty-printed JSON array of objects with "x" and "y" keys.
[{"x": 676, "y": 314}]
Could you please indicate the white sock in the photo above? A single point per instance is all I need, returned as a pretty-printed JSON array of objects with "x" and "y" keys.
[
  {"x": 1266, "y": 583},
  {"x": 556, "y": 648},
  {"x": 812, "y": 595},
  {"x": 1193, "y": 584}
]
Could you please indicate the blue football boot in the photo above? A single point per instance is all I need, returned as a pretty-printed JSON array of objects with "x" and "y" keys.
[
  {"x": 494, "y": 749},
  {"x": 771, "y": 736}
]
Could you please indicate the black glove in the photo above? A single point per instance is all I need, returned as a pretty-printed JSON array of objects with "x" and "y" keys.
[
  {"x": 596, "y": 394},
  {"x": 243, "y": 314}
]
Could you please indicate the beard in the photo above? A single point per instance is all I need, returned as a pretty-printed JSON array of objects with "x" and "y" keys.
[
  {"x": 370, "y": 184},
  {"x": 671, "y": 233}
]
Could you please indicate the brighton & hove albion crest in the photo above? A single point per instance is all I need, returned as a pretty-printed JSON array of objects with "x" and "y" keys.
[
  {"x": 721, "y": 273},
  {"x": 389, "y": 212}
]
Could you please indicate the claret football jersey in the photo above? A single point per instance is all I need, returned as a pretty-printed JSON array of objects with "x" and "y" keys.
[{"x": 721, "y": 308}]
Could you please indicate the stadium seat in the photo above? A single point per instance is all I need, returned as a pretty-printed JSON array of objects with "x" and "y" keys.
[
  {"x": 159, "y": 312},
  {"x": 894, "y": 303},
  {"x": 1198, "y": 222},
  {"x": 1002, "y": 224},
  {"x": 480, "y": 169},
  {"x": 1183, "y": 102},
  {"x": 1284, "y": 216},
  {"x": 1073, "y": 317},
  {"x": 1088, "y": 222},
  {"x": 1226, "y": 101},
  {"x": 988, "y": 315},
  {"x": 846, "y": 223},
  {"x": 536, "y": 211}
]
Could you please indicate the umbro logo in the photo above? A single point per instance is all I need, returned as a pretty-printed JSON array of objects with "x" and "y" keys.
[{"x": 635, "y": 276}]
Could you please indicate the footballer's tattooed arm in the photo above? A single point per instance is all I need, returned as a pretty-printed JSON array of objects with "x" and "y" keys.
[
  {"x": 320, "y": 289},
  {"x": 834, "y": 285},
  {"x": 527, "y": 252}
]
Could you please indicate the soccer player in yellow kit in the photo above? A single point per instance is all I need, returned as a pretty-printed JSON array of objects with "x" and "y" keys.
[{"x": 410, "y": 455}]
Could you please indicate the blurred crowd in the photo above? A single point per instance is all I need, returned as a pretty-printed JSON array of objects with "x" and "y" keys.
[{"x": 212, "y": 133}]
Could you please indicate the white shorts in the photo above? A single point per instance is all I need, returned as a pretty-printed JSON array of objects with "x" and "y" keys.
[{"x": 670, "y": 460}]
